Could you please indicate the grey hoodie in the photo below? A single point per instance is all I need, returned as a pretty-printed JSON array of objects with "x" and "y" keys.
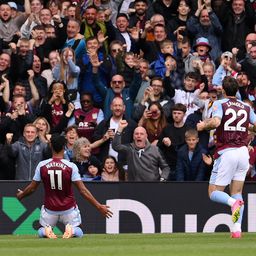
[{"x": 143, "y": 164}]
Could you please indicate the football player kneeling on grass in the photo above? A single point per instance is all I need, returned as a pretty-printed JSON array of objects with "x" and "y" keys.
[{"x": 58, "y": 175}]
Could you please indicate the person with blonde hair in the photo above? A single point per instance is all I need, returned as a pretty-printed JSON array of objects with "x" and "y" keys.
[
  {"x": 82, "y": 156},
  {"x": 43, "y": 128},
  {"x": 66, "y": 70}
]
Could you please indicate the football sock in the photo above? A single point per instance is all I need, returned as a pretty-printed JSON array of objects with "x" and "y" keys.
[
  {"x": 222, "y": 197},
  {"x": 239, "y": 196},
  {"x": 41, "y": 232},
  {"x": 78, "y": 232}
]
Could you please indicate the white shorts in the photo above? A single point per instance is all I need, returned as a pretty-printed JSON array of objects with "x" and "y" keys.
[
  {"x": 232, "y": 164},
  {"x": 71, "y": 216}
]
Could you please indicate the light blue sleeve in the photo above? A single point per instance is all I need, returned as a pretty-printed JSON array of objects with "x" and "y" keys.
[
  {"x": 218, "y": 76},
  {"x": 37, "y": 176},
  {"x": 217, "y": 110},
  {"x": 100, "y": 116},
  {"x": 252, "y": 116},
  {"x": 75, "y": 173}
]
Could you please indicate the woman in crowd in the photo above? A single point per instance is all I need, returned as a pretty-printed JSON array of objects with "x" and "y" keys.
[
  {"x": 57, "y": 109},
  {"x": 43, "y": 129},
  {"x": 111, "y": 170},
  {"x": 66, "y": 70},
  {"x": 154, "y": 121},
  {"x": 82, "y": 157}
]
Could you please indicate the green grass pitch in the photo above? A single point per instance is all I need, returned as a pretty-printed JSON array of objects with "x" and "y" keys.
[{"x": 178, "y": 244}]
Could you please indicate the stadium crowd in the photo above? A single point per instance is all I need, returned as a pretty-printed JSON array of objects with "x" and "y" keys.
[{"x": 126, "y": 81}]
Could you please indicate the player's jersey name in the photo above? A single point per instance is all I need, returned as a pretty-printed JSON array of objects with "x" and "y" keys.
[
  {"x": 235, "y": 103},
  {"x": 56, "y": 164}
]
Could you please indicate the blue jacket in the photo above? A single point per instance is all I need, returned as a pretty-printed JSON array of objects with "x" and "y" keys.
[
  {"x": 159, "y": 68},
  {"x": 193, "y": 170},
  {"x": 213, "y": 32},
  {"x": 128, "y": 94},
  {"x": 86, "y": 84}
]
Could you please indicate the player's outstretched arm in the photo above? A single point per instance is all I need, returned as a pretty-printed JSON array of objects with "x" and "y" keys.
[
  {"x": 31, "y": 188},
  {"x": 209, "y": 124},
  {"x": 86, "y": 194}
]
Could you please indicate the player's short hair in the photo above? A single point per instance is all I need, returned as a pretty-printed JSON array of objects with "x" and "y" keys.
[
  {"x": 165, "y": 43},
  {"x": 58, "y": 142},
  {"x": 70, "y": 128},
  {"x": 179, "y": 107},
  {"x": 123, "y": 15},
  {"x": 39, "y": 27},
  {"x": 156, "y": 78},
  {"x": 191, "y": 133},
  {"x": 230, "y": 85},
  {"x": 91, "y": 38},
  {"x": 193, "y": 75}
]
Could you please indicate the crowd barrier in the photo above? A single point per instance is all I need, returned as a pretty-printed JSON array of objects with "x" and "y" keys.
[{"x": 137, "y": 208}]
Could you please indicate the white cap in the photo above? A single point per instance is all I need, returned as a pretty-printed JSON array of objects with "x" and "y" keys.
[{"x": 13, "y": 5}]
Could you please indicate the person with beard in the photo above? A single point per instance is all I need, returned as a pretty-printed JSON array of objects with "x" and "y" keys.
[
  {"x": 142, "y": 14},
  {"x": 145, "y": 160},
  {"x": 205, "y": 23},
  {"x": 91, "y": 27},
  {"x": 10, "y": 26}
]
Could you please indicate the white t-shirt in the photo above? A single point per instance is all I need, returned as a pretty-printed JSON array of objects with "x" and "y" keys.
[{"x": 113, "y": 125}]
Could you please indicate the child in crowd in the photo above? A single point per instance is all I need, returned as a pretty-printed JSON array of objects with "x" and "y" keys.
[
  {"x": 158, "y": 66},
  {"x": 93, "y": 173},
  {"x": 168, "y": 55},
  {"x": 202, "y": 49},
  {"x": 192, "y": 159}
]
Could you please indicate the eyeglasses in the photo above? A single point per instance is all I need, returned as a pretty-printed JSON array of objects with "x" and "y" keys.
[{"x": 117, "y": 82}]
